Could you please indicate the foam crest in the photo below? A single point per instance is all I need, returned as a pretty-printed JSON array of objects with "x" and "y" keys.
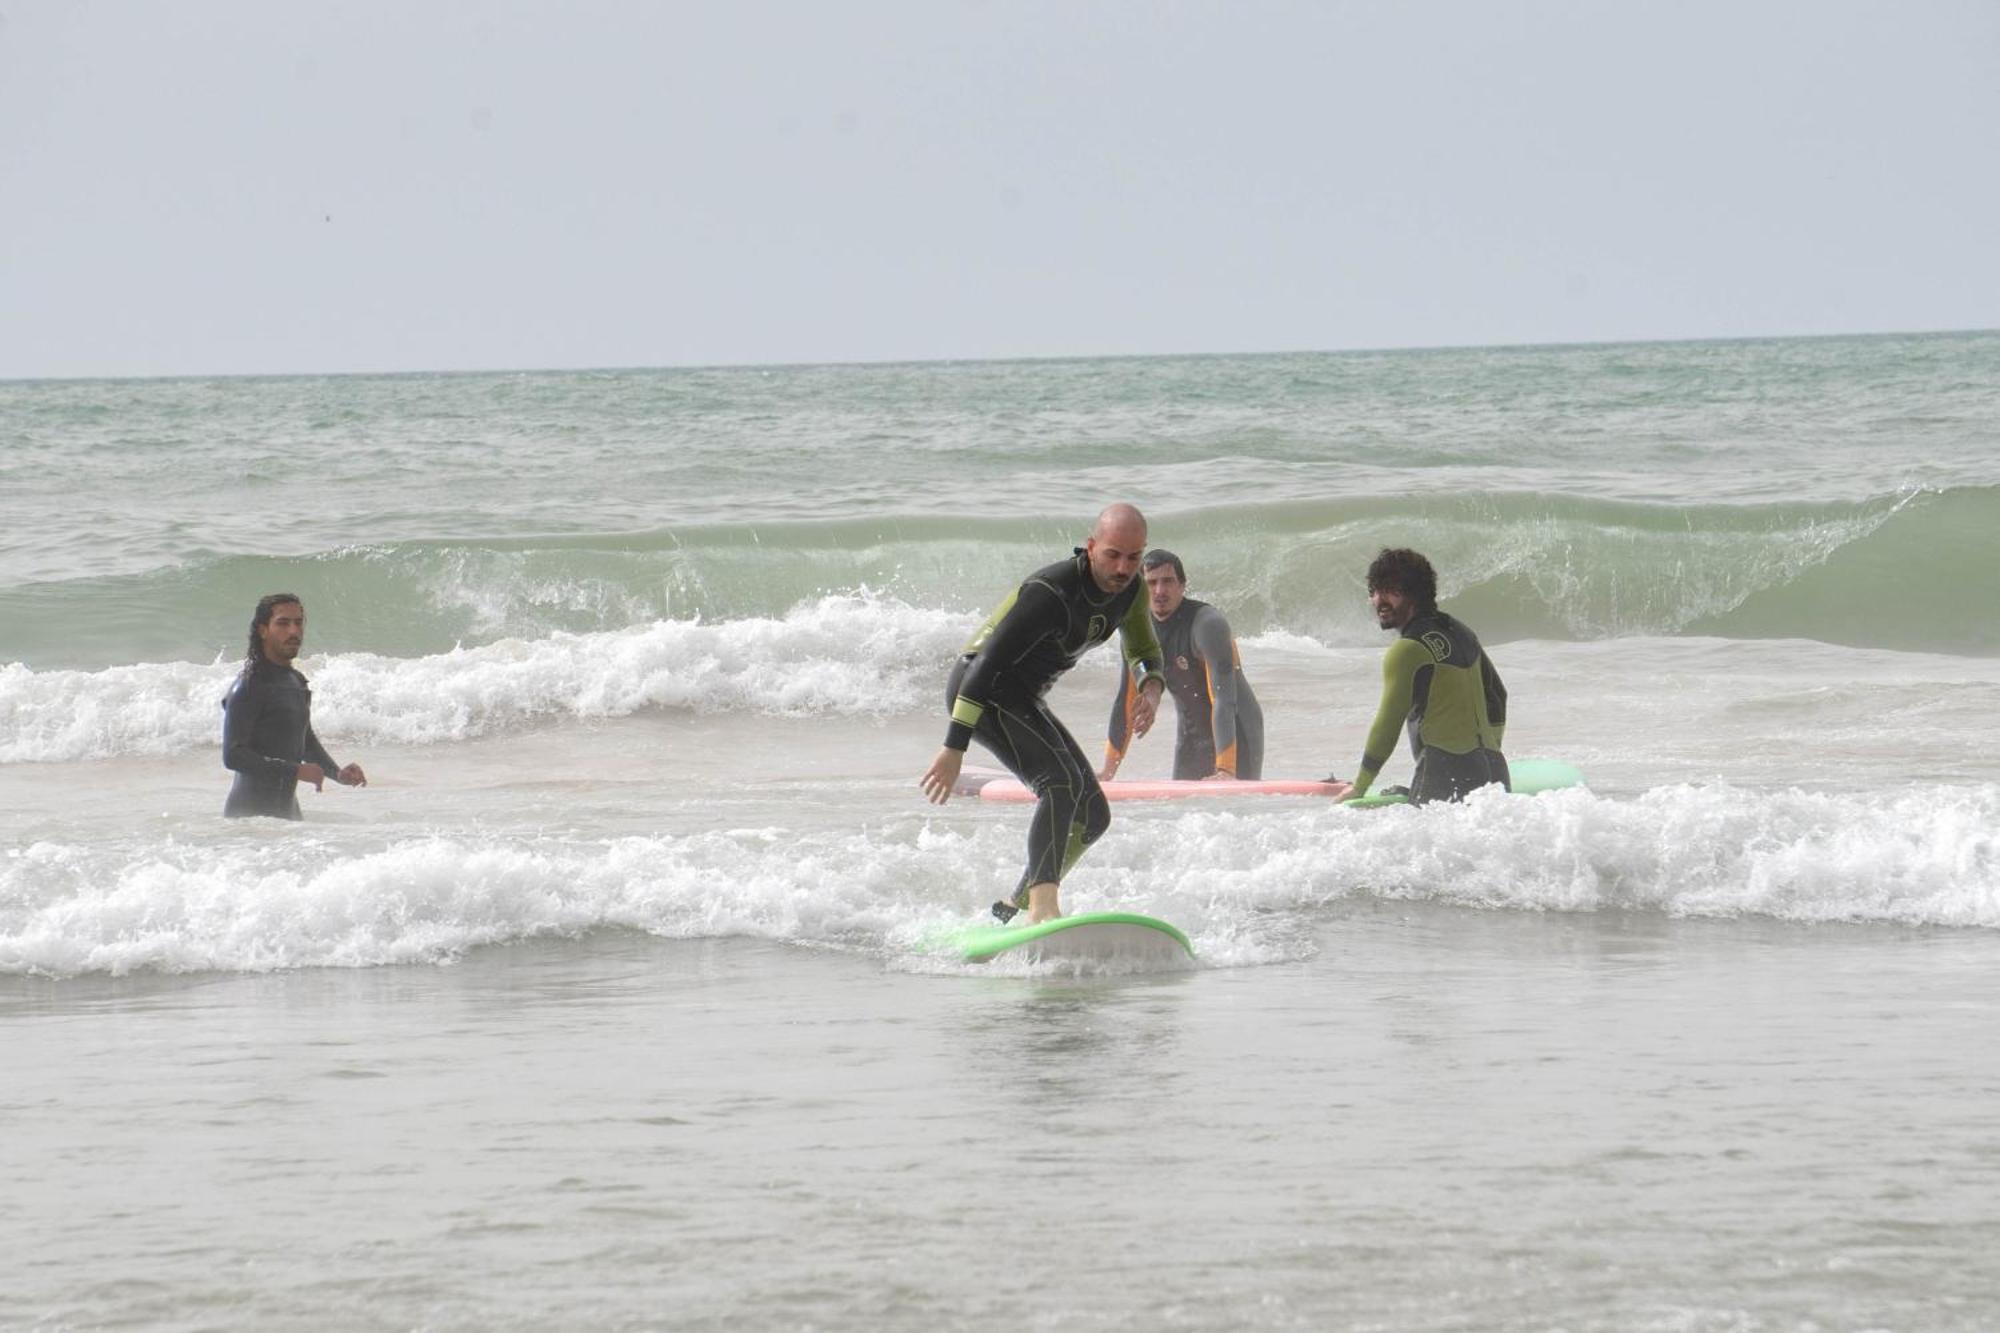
[
  {"x": 1247, "y": 886},
  {"x": 67, "y": 910},
  {"x": 1919, "y": 857},
  {"x": 848, "y": 654},
  {"x": 151, "y": 708}
]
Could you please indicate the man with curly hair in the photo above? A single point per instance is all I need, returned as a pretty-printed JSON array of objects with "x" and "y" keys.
[{"x": 1437, "y": 683}]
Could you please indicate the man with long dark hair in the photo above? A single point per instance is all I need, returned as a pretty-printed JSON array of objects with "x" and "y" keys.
[
  {"x": 267, "y": 735},
  {"x": 1438, "y": 682}
]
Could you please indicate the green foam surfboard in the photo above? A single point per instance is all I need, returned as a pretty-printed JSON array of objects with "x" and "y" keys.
[
  {"x": 1528, "y": 776},
  {"x": 1088, "y": 936}
]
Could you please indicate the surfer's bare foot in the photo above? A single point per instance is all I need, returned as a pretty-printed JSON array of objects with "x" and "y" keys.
[{"x": 1042, "y": 903}]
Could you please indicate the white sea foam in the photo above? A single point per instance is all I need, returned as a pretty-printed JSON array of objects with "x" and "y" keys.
[
  {"x": 1244, "y": 883},
  {"x": 1923, "y": 857},
  {"x": 853, "y": 654},
  {"x": 68, "y": 909}
]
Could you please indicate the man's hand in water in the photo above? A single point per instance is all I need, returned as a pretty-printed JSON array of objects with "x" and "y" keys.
[
  {"x": 942, "y": 775},
  {"x": 313, "y": 773},
  {"x": 351, "y": 776},
  {"x": 1147, "y": 706}
]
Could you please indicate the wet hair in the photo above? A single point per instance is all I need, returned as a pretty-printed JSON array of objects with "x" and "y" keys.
[
  {"x": 1399, "y": 569},
  {"x": 265, "y": 606},
  {"x": 1160, "y": 555}
]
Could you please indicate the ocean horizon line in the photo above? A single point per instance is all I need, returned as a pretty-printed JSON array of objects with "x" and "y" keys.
[{"x": 942, "y": 362}]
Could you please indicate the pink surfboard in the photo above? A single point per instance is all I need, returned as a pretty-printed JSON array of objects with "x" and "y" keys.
[
  {"x": 1166, "y": 789},
  {"x": 1529, "y": 777}
]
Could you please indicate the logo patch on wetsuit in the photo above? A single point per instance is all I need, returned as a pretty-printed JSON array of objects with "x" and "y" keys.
[
  {"x": 1439, "y": 645},
  {"x": 1099, "y": 630},
  {"x": 1181, "y": 662}
]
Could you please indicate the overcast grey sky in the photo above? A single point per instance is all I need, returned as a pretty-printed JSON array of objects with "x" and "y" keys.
[{"x": 211, "y": 187}]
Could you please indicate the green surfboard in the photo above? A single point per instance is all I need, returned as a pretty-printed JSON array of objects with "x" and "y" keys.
[
  {"x": 1527, "y": 776},
  {"x": 1088, "y": 936}
]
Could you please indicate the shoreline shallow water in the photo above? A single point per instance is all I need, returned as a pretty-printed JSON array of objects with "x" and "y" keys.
[{"x": 1441, "y": 1118}]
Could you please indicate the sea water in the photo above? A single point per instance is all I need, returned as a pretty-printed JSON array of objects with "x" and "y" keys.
[{"x": 605, "y": 1004}]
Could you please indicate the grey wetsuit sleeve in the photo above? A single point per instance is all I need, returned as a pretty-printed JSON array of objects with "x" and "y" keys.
[
  {"x": 1217, "y": 647},
  {"x": 317, "y": 753}
]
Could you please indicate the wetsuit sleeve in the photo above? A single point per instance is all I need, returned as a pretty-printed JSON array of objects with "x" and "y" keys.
[
  {"x": 1399, "y": 674},
  {"x": 1032, "y": 614},
  {"x": 1496, "y": 698},
  {"x": 1217, "y": 649},
  {"x": 1118, "y": 738},
  {"x": 240, "y": 712},
  {"x": 317, "y": 753},
  {"x": 1143, "y": 658}
]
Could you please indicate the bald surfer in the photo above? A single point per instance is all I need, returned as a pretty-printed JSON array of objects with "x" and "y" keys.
[{"x": 997, "y": 691}]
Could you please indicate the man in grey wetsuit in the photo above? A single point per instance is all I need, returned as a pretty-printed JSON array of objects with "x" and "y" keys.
[
  {"x": 998, "y": 692},
  {"x": 267, "y": 735},
  {"x": 1221, "y": 733}
]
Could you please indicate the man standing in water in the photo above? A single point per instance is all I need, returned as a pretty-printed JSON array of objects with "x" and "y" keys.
[
  {"x": 267, "y": 735},
  {"x": 998, "y": 690},
  {"x": 1438, "y": 680},
  {"x": 1221, "y": 733}
]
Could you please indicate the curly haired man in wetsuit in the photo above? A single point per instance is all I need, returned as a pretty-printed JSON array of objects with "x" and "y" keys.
[{"x": 1438, "y": 683}]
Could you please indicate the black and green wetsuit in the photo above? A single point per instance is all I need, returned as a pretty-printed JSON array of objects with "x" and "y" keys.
[
  {"x": 1221, "y": 725},
  {"x": 1439, "y": 681},
  {"x": 997, "y": 693}
]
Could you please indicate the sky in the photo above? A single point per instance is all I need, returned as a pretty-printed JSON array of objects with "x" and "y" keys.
[{"x": 212, "y": 187}]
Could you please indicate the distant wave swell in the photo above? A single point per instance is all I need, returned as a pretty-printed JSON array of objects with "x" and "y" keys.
[{"x": 1909, "y": 570}]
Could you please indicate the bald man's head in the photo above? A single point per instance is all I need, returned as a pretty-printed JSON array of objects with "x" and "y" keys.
[{"x": 1116, "y": 544}]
